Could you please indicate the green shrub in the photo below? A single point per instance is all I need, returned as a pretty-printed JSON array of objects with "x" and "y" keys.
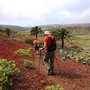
[
  {"x": 3, "y": 34},
  {"x": 24, "y": 52},
  {"x": 54, "y": 87},
  {"x": 28, "y": 63},
  {"x": 7, "y": 68}
]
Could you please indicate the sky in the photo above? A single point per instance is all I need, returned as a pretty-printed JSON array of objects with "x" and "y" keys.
[{"x": 44, "y": 12}]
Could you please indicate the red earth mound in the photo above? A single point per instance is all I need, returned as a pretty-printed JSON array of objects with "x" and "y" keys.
[{"x": 70, "y": 74}]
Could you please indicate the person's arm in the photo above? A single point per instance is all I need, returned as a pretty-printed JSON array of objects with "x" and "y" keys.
[
  {"x": 43, "y": 46},
  {"x": 34, "y": 43}
]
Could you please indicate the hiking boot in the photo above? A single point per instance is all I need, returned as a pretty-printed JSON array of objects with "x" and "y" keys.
[{"x": 50, "y": 72}]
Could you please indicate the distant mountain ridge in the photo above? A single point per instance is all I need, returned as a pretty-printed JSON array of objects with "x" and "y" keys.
[
  {"x": 85, "y": 26},
  {"x": 12, "y": 27}
]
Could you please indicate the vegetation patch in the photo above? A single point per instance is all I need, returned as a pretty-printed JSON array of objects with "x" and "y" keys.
[
  {"x": 28, "y": 63},
  {"x": 25, "y": 52},
  {"x": 7, "y": 68},
  {"x": 54, "y": 87}
]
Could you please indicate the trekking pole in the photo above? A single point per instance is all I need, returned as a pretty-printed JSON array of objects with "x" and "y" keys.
[
  {"x": 34, "y": 58},
  {"x": 57, "y": 63},
  {"x": 39, "y": 60},
  {"x": 63, "y": 59}
]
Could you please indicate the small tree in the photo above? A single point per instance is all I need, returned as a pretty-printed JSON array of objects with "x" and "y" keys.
[
  {"x": 35, "y": 30},
  {"x": 64, "y": 34},
  {"x": 55, "y": 33},
  {"x": 1, "y": 30},
  {"x": 8, "y": 31}
]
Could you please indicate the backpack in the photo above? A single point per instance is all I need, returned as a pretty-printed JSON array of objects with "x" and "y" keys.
[
  {"x": 36, "y": 43},
  {"x": 52, "y": 46}
]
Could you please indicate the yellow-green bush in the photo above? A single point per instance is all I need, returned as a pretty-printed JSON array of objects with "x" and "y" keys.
[
  {"x": 28, "y": 63},
  {"x": 7, "y": 68},
  {"x": 3, "y": 34},
  {"x": 54, "y": 87},
  {"x": 25, "y": 52}
]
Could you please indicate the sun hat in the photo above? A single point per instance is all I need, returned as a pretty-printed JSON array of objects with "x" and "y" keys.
[{"x": 47, "y": 32}]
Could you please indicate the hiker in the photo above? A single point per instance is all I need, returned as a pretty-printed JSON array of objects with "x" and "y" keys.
[
  {"x": 36, "y": 45},
  {"x": 49, "y": 55}
]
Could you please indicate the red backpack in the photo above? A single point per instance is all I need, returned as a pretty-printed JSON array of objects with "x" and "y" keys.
[{"x": 36, "y": 43}]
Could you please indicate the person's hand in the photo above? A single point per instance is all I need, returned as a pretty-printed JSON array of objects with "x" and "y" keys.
[{"x": 40, "y": 49}]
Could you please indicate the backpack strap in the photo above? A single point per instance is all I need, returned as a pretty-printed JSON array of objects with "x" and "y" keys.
[{"x": 51, "y": 39}]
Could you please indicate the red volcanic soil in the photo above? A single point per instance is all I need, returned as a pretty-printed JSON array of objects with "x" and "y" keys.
[{"x": 70, "y": 74}]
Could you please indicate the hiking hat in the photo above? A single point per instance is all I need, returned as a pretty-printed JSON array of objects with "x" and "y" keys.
[{"x": 47, "y": 32}]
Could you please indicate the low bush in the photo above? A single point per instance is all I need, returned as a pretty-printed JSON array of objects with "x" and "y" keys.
[
  {"x": 54, "y": 87},
  {"x": 3, "y": 34},
  {"x": 25, "y": 52},
  {"x": 28, "y": 63},
  {"x": 7, "y": 68}
]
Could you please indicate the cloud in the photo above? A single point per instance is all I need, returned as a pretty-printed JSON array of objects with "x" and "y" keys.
[
  {"x": 40, "y": 12},
  {"x": 75, "y": 17}
]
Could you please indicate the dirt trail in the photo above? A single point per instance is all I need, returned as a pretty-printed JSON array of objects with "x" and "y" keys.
[
  {"x": 58, "y": 78},
  {"x": 39, "y": 64}
]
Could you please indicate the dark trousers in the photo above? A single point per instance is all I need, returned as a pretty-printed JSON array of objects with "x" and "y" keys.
[{"x": 49, "y": 60}]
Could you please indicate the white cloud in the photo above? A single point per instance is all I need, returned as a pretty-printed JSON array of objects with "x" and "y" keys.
[
  {"x": 75, "y": 17},
  {"x": 40, "y": 12}
]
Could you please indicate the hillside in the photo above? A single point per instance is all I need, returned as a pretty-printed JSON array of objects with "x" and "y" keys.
[
  {"x": 70, "y": 74},
  {"x": 8, "y": 48},
  {"x": 28, "y": 78},
  {"x": 84, "y": 26},
  {"x": 13, "y": 27}
]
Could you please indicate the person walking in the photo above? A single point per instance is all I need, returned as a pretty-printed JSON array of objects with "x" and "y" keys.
[
  {"x": 36, "y": 46},
  {"x": 49, "y": 55}
]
